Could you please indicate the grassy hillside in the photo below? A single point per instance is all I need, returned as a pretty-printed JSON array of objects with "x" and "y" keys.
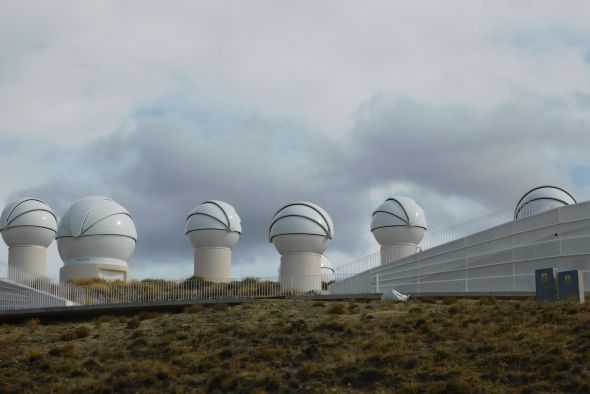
[{"x": 308, "y": 346}]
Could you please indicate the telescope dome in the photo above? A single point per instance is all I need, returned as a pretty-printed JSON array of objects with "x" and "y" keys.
[
  {"x": 301, "y": 227},
  {"x": 213, "y": 223},
  {"x": 541, "y": 199},
  {"x": 326, "y": 264},
  {"x": 28, "y": 221},
  {"x": 327, "y": 269},
  {"x": 96, "y": 228},
  {"x": 398, "y": 220}
]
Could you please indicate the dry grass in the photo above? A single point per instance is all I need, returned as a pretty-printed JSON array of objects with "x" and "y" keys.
[
  {"x": 135, "y": 291},
  {"x": 133, "y": 323},
  {"x": 337, "y": 309},
  {"x": 195, "y": 308},
  {"x": 463, "y": 346},
  {"x": 75, "y": 333}
]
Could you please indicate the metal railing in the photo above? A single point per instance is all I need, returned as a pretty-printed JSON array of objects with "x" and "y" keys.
[
  {"x": 360, "y": 264},
  {"x": 23, "y": 290},
  {"x": 482, "y": 223},
  {"x": 440, "y": 237},
  {"x": 21, "y": 287},
  {"x": 469, "y": 227}
]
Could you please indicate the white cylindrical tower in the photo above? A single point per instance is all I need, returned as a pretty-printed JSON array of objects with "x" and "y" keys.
[
  {"x": 28, "y": 227},
  {"x": 301, "y": 232},
  {"x": 398, "y": 225},
  {"x": 96, "y": 238},
  {"x": 541, "y": 199},
  {"x": 213, "y": 228}
]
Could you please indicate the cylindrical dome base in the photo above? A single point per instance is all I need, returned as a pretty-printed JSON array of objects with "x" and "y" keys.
[
  {"x": 213, "y": 264},
  {"x": 29, "y": 259},
  {"x": 391, "y": 253},
  {"x": 96, "y": 270},
  {"x": 301, "y": 272}
]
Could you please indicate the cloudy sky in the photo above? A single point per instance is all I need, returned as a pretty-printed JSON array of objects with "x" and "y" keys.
[{"x": 462, "y": 106}]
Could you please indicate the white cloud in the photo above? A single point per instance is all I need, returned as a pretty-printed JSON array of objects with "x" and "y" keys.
[
  {"x": 75, "y": 71},
  {"x": 291, "y": 100}
]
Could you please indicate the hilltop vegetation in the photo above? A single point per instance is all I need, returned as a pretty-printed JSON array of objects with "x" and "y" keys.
[{"x": 425, "y": 345}]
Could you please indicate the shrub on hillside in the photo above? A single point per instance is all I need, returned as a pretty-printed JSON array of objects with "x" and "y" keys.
[
  {"x": 86, "y": 282},
  {"x": 146, "y": 315},
  {"x": 105, "y": 318},
  {"x": 427, "y": 300},
  {"x": 75, "y": 333},
  {"x": 487, "y": 301},
  {"x": 454, "y": 309},
  {"x": 33, "y": 325},
  {"x": 337, "y": 309},
  {"x": 415, "y": 310},
  {"x": 133, "y": 323},
  {"x": 62, "y": 351},
  {"x": 219, "y": 307},
  {"x": 34, "y": 357},
  {"x": 194, "y": 308}
]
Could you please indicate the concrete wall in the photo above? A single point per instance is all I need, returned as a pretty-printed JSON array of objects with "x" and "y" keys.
[
  {"x": 357, "y": 284},
  {"x": 500, "y": 259}
]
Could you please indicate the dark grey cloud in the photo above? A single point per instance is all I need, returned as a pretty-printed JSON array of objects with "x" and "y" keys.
[
  {"x": 174, "y": 160},
  {"x": 453, "y": 160},
  {"x": 465, "y": 140},
  {"x": 488, "y": 156},
  {"x": 172, "y": 163}
]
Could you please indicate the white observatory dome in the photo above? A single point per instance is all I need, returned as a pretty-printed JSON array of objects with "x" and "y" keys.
[
  {"x": 28, "y": 222},
  {"x": 96, "y": 229},
  {"x": 213, "y": 228},
  {"x": 327, "y": 269},
  {"x": 213, "y": 223},
  {"x": 541, "y": 199},
  {"x": 398, "y": 220},
  {"x": 301, "y": 227}
]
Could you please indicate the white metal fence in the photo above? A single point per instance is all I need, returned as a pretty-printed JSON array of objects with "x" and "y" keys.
[
  {"x": 437, "y": 238},
  {"x": 485, "y": 222},
  {"x": 469, "y": 227},
  {"x": 358, "y": 265},
  {"x": 430, "y": 241},
  {"x": 22, "y": 290}
]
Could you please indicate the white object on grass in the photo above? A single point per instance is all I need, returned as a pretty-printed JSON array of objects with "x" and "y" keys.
[{"x": 393, "y": 295}]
